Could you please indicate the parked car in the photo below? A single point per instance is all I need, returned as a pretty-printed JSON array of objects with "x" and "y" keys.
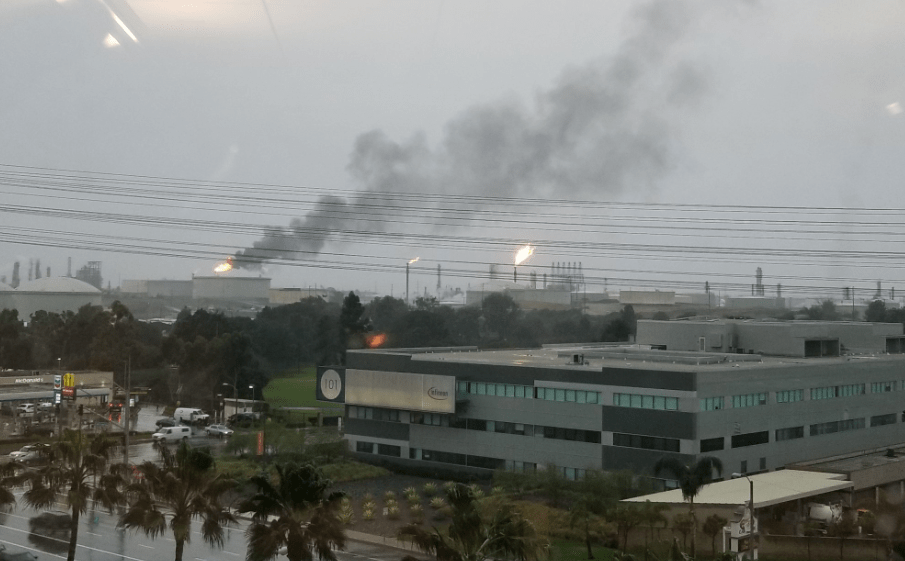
[
  {"x": 218, "y": 430},
  {"x": 51, "y": 524},
  {"x": 23, "y": 451},
  {"x": 46, "y": 406},
  {"x": 25, "y": 409},
  {"x": 241, "y": 420},
  {"x": 165, "y": 422}
]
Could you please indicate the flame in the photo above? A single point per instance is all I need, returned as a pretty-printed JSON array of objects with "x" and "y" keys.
[
  {"x": 224, "y": 267},
  {"x": 523, "y": 254},
  {"x": 376, "y": 340},
  {"x": 413, "y": 260}
]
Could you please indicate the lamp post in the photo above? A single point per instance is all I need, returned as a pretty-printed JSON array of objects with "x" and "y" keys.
[
  {"x": 252, "y": 388},
  {"x": 750, "y": 513},
  {"x": 235, "y": 397}
]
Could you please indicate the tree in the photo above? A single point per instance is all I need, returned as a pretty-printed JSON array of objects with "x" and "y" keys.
[
  {"x": 474, "y": 536},
  {"x": 842, "y": 528},
  {"x": 353, "y": 324},
  {"x": 651, "y": 517},
  {"x": 691, "y": 480},
  {"x": 183, "y": 487},
  {"x": 713, "y": 525},
  {"x": 80, "y": 472},
  {"x": 626, "y": 516},
  {"x": 685, "y": 524},
  {"x": 876, "y": 312},
  {"x": 500, "y": 313},
  {"x": 294, "y": 512}
]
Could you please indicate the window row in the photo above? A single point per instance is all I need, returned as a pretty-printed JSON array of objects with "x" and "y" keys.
[
  {"x": 498, "y": 390},
  {"x": 528, "y": 392},
  {"x": 381, "y": 449},
  {"x": 522, "y": 429},
  {"x": 572, "y": 474},
  {"x": 572, "y": 396},
  {"x": 749, "y": 400},
  {"x": 638, "y": 401},
  {"x": 791, "y": 396},
  {"x": 646, "y": 442},
  {"x": 830, "y": 392},
  {"x": 792, "y": 433},
  {"x": 455, "y": 458}
]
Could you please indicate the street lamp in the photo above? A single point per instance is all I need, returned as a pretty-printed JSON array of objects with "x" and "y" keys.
[
  {"x": 252, "y": 388},
  {"x": 750, "y": 513},
  {"x": 235, "y": 398}
]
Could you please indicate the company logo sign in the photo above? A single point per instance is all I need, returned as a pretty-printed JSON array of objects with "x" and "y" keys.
[
  {"x": 29, "y": 380},
  {"x": 331, "y": 384},
  {"x": 438, "y": 394}
]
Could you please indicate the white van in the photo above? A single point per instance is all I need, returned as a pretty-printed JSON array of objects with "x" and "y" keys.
[
  {"x": 191, "y": 415},
  {"x": 172, "y": 434}
]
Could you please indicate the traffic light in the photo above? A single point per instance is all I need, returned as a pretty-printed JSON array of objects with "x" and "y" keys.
[{"x": 81, "y": 409}]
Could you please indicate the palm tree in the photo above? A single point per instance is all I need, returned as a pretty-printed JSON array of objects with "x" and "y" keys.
[
  {"x": 80, "y": 472},
  {"x": 182, "y": 487},
  {"x": 473, "y": 536},
  {"x": 294, "y": 512},
  {"x": 691, "y": 480}
]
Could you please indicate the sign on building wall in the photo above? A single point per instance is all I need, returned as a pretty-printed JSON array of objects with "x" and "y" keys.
[
  {"x": 400, "y": 390},
  {"x": 331, "y": 385}
]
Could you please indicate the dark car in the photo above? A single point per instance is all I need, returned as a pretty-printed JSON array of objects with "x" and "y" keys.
[
  {"x": 166, "y": 422},
  {"x": 51, "y": 524},
  {"x": 16, "y": 556},
  {"x": 241, "y": 420}
]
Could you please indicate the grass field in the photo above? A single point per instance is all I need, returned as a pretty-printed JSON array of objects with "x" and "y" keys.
[{"x": 295, "y": 388}]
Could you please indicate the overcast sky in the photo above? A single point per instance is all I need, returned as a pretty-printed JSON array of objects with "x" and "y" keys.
[{"x": 250, "y": 112}]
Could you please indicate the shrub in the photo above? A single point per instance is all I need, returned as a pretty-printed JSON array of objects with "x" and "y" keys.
[
  {"x": 413, "y": 498},
  {"x": 430, "y": 489},
  {"x": 393, "y": 512},
  {"x": 409, "y": 491},
  {"x": 476, "y": 490},
  {"x": 346, "y": 514},
  {"x": 437, "y": 503},
  {"x": 449, "y": 486},
  {"x": 442, "y": 513},
  {"x": 367, "y": 513},
  {"x": 389, "y": 496}
]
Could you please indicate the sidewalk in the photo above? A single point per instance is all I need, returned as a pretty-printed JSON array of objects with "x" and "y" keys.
[{"x": 380, "y": 540}]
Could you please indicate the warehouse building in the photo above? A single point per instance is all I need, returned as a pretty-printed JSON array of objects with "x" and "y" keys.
[{"x": 757, "y": 395}]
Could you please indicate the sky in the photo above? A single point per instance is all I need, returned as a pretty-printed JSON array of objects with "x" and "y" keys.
[{"x": 660, "y": 144}]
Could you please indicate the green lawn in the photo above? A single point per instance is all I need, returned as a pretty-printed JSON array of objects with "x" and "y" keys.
[{"x": 295, "y": 388}]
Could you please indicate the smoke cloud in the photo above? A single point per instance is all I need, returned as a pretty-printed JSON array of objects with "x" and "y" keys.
[{"x": 601, "y": 129}]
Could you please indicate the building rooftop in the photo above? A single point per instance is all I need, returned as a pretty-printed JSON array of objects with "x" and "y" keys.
[
  {"x": 592, "y": 357},
  {"x": 770, "y": 488},
  {"x": 851, "y": 463}
]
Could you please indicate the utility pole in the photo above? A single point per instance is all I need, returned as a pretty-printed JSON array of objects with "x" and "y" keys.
[{"x": 126, "y": 409}]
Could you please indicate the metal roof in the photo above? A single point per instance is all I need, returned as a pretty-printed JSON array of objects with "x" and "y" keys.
[
  {"x": 770, "y": 488},
  {"x": 58, "y": 284}
]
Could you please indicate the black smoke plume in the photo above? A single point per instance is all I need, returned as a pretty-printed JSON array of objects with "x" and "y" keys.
[{"x": 603, "y": 128}]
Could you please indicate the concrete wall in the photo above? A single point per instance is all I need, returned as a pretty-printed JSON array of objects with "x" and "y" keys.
[
  {"x": 765, "y": 337},
  {"x": 772, "y": 416},
  {"x": 170, "y": 288},
  {"x": 230, "y": 288},
  {"x": 647, "y": 297}
]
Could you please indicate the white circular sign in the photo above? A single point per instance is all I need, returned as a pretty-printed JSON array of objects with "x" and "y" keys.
[{"x": 331, "y": 384}]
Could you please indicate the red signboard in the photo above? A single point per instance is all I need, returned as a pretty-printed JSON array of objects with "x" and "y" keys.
[{"x": 261, "y": 443}]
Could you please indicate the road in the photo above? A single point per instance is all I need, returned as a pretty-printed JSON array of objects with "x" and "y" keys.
[{"x": 100, "y": 540}]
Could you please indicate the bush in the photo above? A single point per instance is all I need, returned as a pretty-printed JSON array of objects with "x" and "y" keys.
[
  {"x": 393, "y": 512},
  {"x": 389, "y": 496},
  {"x": 437, "y": 503},
  {"x": 367, "y": 513},
  {"x": 430, "y": 489}
]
